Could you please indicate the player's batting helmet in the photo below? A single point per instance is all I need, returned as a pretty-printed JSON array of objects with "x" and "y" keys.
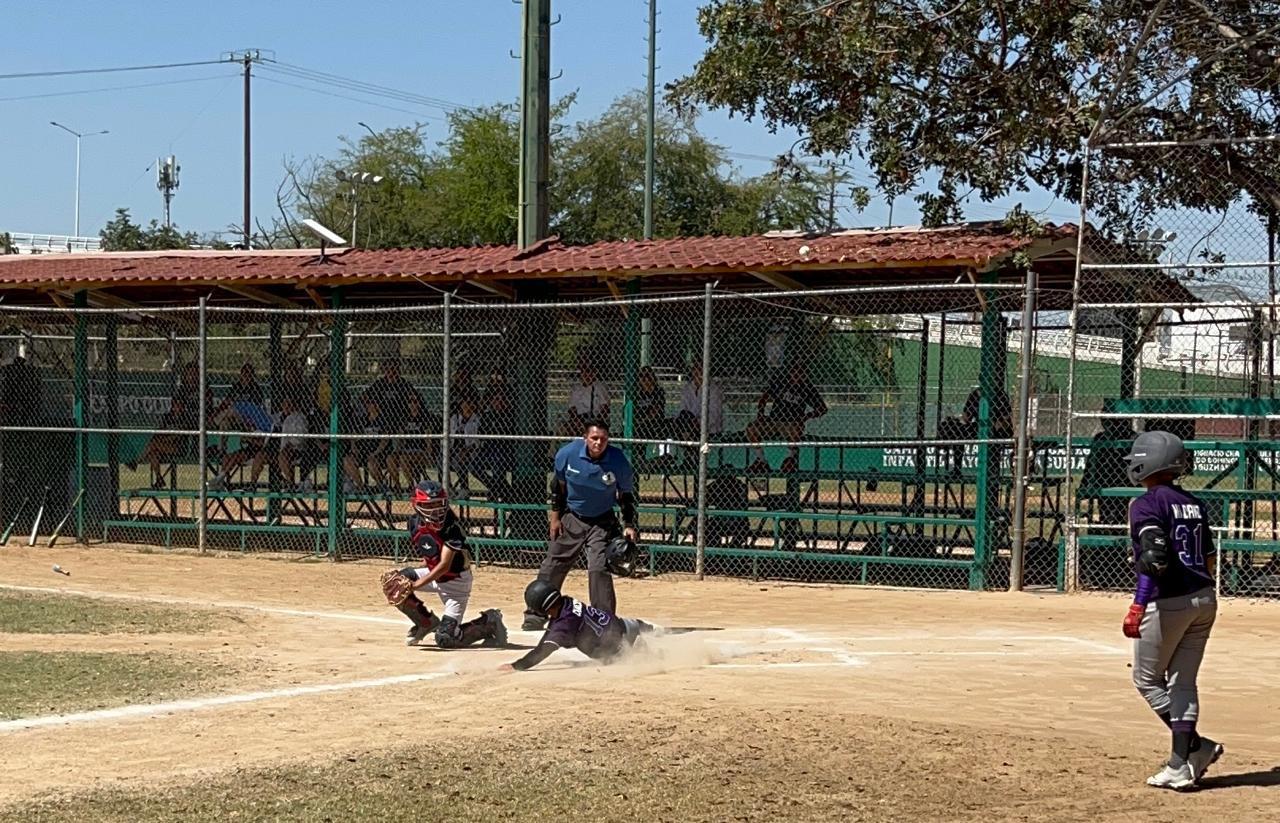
[
  {"x": 540, "y": 597},
  {"x": 430, "y": 501},
  {"x": 1155, "y": 452}
]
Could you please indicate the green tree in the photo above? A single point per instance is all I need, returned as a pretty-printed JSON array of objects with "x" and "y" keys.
[
  {"x": 122, "y": 234},
  {"x": 992, "y": 97},
  {"x": 464, "y": 191}
]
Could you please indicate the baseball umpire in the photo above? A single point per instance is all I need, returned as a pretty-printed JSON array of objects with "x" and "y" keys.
[
  {"x": 1174, "y": 606},
  {"x": 591, "y": 477}
]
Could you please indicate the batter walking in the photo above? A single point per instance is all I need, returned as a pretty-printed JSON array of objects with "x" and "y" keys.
[
  {"x": 591, "y": 477},
  {"x": 1174, "y": 606}
]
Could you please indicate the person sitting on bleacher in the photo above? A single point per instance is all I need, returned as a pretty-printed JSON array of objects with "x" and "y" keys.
[
  {"x": 391, "y": 392},
  {"x": 464, "y": 450},
  {"x": 183, "y": 414},
  {"x": 245, "y": 389},
  {"x": 795, "y": 401},
  {"x": 288, "y": 450},
  {"x": 413, "y": 450},
  {"x": 243, "y": 416},
  {"x": 687, "y": 424},
  {"x": 650, "y": 406},
  {"x": 368, "y": 452},
  {"x": 588, "y": 399}
]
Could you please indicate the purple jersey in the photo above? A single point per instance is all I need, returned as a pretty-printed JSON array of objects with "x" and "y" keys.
[
  {"x": 1183, "y": 518},
  {"x": 597, "y": 634}
]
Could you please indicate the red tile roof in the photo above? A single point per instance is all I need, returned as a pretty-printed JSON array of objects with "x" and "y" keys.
[{"x": 969, "y": 245}]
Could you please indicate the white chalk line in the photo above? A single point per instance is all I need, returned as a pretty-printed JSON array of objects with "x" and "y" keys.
[
  {"x": 209, "y": 604},
  {"x": 195, "y": 704}
]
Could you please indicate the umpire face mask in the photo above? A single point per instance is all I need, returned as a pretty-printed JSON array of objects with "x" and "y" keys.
[{"x": 597, "y": 441}]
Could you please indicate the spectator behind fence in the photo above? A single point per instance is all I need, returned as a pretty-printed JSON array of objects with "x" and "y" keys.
[
  {"x": 588, "y": 400},
  {"x": 245, "y": 389},
  {"x": 20, "y": 390},
  {"x": 1105, "y": 467},
  {"x": 463, "y": 450},
  {"x": 391, "y": 392},
  {"x": 183, "y": 414},
  {"x": 965, "y": 427},
  {"x": 650, "y": 406},
  {"x": 413, "y": 451},
  {"x": 289, "y": 450},
  {"x": 497, "y": 417},
  {"x": 243, "y": 416},
  {"x": 368, "y": 452},
  {"x": 687, "y": 424},
  {"x": 795, "y": 401}
]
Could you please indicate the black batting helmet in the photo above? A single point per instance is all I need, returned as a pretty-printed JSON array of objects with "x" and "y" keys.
[{"x": 540, "y": 597}]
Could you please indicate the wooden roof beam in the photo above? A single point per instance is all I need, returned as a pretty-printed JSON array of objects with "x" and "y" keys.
[
  {"x": 259, "y": 295},
  {"x": 778, "y": 280},
  {"x": 494, "y": 287}
]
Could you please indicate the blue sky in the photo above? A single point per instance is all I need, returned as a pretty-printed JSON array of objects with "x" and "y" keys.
[{"x": 456, "y": 50}]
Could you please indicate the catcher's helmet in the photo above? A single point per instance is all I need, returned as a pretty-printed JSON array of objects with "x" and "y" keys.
[
  {"x": 540, "y": 597},
  {"x": 620, "y": 556},
  {"x": 1154, "y": 452},
  {"x": 430, "y": 501}
]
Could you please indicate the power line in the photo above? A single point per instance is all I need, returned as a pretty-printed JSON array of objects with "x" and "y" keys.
[
  {"x": 342, "y": 96},
  {"x": 363, "y": 87},
  {"x": 68, "y": 72},
  {"x": 114, "y": 88}
]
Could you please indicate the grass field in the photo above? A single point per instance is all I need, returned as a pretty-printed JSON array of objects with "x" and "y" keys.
[{"x": 790, "y": 703}]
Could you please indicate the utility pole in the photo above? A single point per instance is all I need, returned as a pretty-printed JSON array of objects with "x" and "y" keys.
[
  {"x": 247, "y": 58},
  {"x": 535, "y": 122},
  {"x": 831, "y": 197},
  {"x": 650, "y": 120}
]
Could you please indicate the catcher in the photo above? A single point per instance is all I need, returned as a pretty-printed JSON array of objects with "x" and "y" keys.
[
  {"x": 437, "y": 537},
  {"x": 575, "y": 625}
]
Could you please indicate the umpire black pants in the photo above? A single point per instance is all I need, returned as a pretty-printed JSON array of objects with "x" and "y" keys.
[{"x": 583, "y": 534}]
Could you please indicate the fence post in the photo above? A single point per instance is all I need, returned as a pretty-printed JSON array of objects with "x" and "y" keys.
[
  {"x": 337, "y": 393},
  {"x": 80, "y": 357},
  {"x": 111, "y": 362},
  {"x": 991, "y": 362},
  {"x": 704, "y": 448},
  {"x": 202, "y": 449},
  {"x": 446, "y": 400},
  {"x": 630, "y": 367},
  {"x": 1024, "y": 410}
]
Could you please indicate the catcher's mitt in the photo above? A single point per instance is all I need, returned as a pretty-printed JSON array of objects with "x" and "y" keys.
[{"x": 396, "y": 586}]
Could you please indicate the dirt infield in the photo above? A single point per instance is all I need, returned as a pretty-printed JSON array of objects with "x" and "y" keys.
[{"x": 814, "y": 703}]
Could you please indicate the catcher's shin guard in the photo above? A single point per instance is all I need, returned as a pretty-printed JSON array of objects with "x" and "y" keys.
[
  {"x": 417, "y": 611},
  {"x": 449, "y": 635}
]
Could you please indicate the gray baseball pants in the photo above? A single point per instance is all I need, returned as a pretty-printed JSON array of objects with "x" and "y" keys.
[
  {"x": 589, "y": 535},
  {"x": 1166, "y": 658}
]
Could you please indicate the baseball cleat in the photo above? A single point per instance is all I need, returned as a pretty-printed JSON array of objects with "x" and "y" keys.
[
  {"x": 1179, "y": 780},
  {"x": 1202, "y": 758},
  {"x": 498, "y": 630},
  {"x": 416, "y": 635}
]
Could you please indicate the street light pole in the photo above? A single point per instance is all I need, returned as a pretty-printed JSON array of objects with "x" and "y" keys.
[
  {"x": 79, "y": 136},
  {"x": 356, "y": 179}
]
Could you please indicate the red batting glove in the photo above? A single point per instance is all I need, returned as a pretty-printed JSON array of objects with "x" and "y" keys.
[{"x": 1133, "y": 621}]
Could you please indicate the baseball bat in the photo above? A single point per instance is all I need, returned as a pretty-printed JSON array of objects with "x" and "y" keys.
[
  {"x": 35, "y": 525},
  {"x": 57, "y": 531},
  {"x": 22, "y": 507}
]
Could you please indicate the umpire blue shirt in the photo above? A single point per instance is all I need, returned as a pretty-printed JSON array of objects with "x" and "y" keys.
[{"x": 593, "y": 485}]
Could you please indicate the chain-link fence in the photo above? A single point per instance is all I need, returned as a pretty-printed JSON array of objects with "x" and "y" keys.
[
  {"x": 1174, "y": 329},
  {"x": 845, "y": 435}
]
